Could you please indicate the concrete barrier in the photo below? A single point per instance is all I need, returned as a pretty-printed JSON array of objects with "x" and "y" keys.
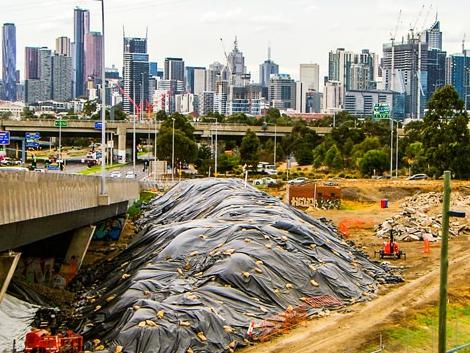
[{"x": 29, "y": 195}]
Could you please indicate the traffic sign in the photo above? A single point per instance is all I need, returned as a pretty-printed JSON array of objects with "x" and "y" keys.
[
  {"x": 98, "y": 125},
  {"x": 381, "y": 111},
  {"x": 32, "y": 136},
  {"x": 4, "y": 137},
  {"x": 61, "y": 123}
]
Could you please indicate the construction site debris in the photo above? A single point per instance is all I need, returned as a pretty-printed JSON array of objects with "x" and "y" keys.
[
  {"x": 212, "y": 262},
  {"x": 416, "y": 222}
]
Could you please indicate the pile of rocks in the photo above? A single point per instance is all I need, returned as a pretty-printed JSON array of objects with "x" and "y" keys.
[{"x": 414, "y": 223}]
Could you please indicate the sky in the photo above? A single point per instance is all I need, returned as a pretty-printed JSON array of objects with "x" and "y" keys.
[{"x": 299, "y": 31}]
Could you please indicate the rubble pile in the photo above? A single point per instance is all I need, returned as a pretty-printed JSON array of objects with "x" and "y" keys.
[
  {"x": 415, "y": 222},
  {"x": 212, "y": 259}
]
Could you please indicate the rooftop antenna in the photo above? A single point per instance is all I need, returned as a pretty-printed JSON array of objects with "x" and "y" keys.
[
  {"x": 235, "y": 43},
  {"x": 269, "y": 52},
  {"x": 146, "y": 32}
]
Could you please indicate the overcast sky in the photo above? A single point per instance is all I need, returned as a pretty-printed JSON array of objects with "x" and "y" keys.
[{"x": 300, "y": 31}]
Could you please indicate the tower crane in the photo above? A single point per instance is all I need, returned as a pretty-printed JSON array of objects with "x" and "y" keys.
[
  {"x": 392, "y": 39},
  {"x": 227, "y": 64}
]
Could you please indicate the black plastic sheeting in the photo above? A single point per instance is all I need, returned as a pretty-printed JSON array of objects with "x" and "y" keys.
[{"x": 212, "y": 256}]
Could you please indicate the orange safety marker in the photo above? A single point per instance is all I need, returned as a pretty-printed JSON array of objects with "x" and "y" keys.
[{"x": 427, "y": 247}]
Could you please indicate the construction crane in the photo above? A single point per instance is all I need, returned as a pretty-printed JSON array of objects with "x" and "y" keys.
[
  {"x": 123, "y": 92},
  {"x": 392, "y": 39},
  {"x": 412, "y": 29}
]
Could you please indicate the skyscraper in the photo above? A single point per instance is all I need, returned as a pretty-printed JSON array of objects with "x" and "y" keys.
[
  {"x": 9, "y": 62},
  {"x": 61, "y": 78},
  {"x": 174, "y": 69},
  {"x": 458, "y": 74},
  {"x": 194, "y": 74},
  {"x": 406, "y": 71},
  {"x": 213, "y": 74},
  {"x": 236, "y": 66},
  {"x": 310, "y": 76},
  {"x": 282, "y": 92},
  {"x": 31, "y": 63},
  {"x": 266, "y": 69},
  {"x": 93, "y": 54},
  {"x": 45, "y": 72},
  {"x": 62, "y": 46},
  {"x": 136, "y": 72},
  {"x": 153, "y": 69},
  {"x": 81, "y": 28},
  {"x": 434, "y": 36}
]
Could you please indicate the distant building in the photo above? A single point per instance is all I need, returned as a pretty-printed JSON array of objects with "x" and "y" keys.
[
  {"x": 63, "y": 46},
  {"x": 81, "y": 28},
  {"x": 236, "y": 66},
  {"x": 436, "y": 70},
  {"x": 33, "y": 91},
  {"x": 361, "y": 102},
  {"x": 61, "y": 89},
  {"x": 93, "y": 55},
  {"x": 333, "y": 97},
  {"x": 45, "y": 72},
  {"x": 313, "y": 101},
  {"x": 266, "y": 69},
  {"x": 213, "y": 74},
  {"x": 458, "y": 73},
  {"x": 434, "y": 36},
  {"x": 111, "y": 73},
  {"x": 172, "y": 86},
  {"x": 31, "y": 63},
  {"x": 282, "y": 92},
  {"x": 136, "y": 72},
  {"x": 174, "y": 69},
  {"x": 310, "y": 76},
  {"x": 153, "y": 69},
  {"x": 245, "y": 99},
  {"x": 206, "y": 103},
  {"x": 9, "y": 62},
  {"x": 190, "y": 79}
]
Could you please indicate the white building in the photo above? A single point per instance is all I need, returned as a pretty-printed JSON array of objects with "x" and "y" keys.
[
  {"x": 333, "y": 95},
  {"x": 15, "y": 108},
  {"x": 310, "y": 76}
]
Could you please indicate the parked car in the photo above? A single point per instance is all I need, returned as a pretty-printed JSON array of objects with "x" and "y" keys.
[
  {"x": 115, "y": 174},
  {"x": 265, "y": 181},
  {"x": 130, "y": 175},
  {"x": 418, "y": 177},
  {"x": 298, "y": 181}
]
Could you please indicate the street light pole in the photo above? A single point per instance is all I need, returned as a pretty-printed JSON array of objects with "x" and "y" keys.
[
  {"x": 391, "y": 147},
  {"x": 103, "y": 107},
  {"x": 275, "y": 143},
  {"x": 173, "y": 152},
  {"x": 215, "y": 157},
  {"x": 133, "y": 128},
  {"x": 396, "y": 152}
]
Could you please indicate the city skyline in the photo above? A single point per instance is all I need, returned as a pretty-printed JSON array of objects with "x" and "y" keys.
[{"x": 255, "y": 25}]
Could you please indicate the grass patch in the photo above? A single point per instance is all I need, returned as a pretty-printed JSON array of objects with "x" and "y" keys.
[
  {"x": 97, "y": 169},
  {"x": 136, "y": 208},
  {"x": 419, "y": 334}
]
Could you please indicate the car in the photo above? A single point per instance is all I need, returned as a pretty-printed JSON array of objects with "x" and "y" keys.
[
  {"x": 130, "y": 175},
  {"x": 265, "y": 181},
  {"x": 298, "y": 181},
  {"x": 115, "y": 174},
  {"x": 418, "y": 177},
  {"x": 40, "y": 170},
  {"x": 270, "y": 171}
]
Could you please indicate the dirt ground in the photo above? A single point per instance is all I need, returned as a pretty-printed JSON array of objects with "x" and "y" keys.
[{"x": 361, "y": 324}]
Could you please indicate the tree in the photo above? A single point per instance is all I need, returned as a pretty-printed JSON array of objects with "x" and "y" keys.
[
  {"x": 334, "y": 158},
  {"x": 303, "y": 154},
  {"x": 89, "y": 108},
  {"x": 181, "y": 123},
  {"x": 414, "y": 157},
  {"x": 204, "y": 159},
  {"x": 249, "y": 147},
  {"x": 226, "y": 163},
  {"x": 6, "y": 115},
  {"x": 373, "y": 161},
  {"x": 27, "y": 113},
  {"x": 185, "y": 149},
  {"x": 161, "y": 115},
  {"x": 445, "y": 135}
]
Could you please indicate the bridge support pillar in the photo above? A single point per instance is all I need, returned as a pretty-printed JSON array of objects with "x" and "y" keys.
[
  {"x": 121, "y": 150},
  {"x": 8, "y": 262},
  {"x": 78, "y": 247}
]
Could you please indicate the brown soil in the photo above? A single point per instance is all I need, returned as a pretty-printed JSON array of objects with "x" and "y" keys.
[{"x": 361, "y": 323}]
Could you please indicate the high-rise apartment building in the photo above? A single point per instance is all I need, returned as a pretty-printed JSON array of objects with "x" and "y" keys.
[
  {"x": 153, "y": 69},
  {"x": 333, "y": 97},
  {"x": 282, "y": 92},
  {"x": 45, "y": 72},
  {"x": 63, "y": 46},
  {"x": 61, "y": 79},
  {"x": 174, "y": 69},
  {"x": 9, "y": 62},
  {"x": 310, "y": 75},
  {"x": 213, "y": 74},
  {"x": 266, "y": 69},
  {"x": 93, "y": 55},
  {"x": 199, "y": 80},
  {"x": 236, "y": 66},
  {"x": 409, "y": 75},
  {"x": 191, "y": 71},
  {"x": 434, "y": 36},
  {"x": 81, "y": 28},
  {"x": 458, "y": 75},
  {"x": 135, "y": 72},
  {"x": 31, "y": 63}
]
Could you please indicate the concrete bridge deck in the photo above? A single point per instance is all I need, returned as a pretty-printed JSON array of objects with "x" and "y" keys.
[{"x": 34, "y": 206}]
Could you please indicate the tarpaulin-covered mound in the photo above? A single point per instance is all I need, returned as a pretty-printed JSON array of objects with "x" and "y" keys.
[{"x": 213, "y": 256}]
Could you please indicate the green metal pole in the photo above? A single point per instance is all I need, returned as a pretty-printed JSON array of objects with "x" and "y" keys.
[{"x": 444, "y": 264}]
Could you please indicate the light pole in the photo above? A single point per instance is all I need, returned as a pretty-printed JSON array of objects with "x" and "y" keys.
[
  {"x": 275, "y": 144},
  {"x": 103, "y": 106},
  {"x": 133, "y": 128},
  {"x": 173, "y": 152},
  {"x": 215, "y": 147}
]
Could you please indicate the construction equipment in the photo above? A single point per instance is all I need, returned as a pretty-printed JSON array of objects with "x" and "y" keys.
[
  {"x": 391, "y": 249},
  {"x": 41, "y": 341}
]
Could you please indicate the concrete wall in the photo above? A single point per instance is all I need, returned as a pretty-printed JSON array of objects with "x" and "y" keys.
[{"x": 28, "y": 195}]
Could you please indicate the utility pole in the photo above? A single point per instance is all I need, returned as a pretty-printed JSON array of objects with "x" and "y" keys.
[
  {"x": 173, "y": 152},
  {"x": 396, "y": 150},
  {"x": 418, "y": 98},
  {"x": 275, "y": 144},
  {"x": 133, "y": 128},
  {"x": 103, "y": 107},
  {"x": 216, "y": 151},
  {"x": 391, "y": 147},
  {"x": 444, "y": 264}
]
